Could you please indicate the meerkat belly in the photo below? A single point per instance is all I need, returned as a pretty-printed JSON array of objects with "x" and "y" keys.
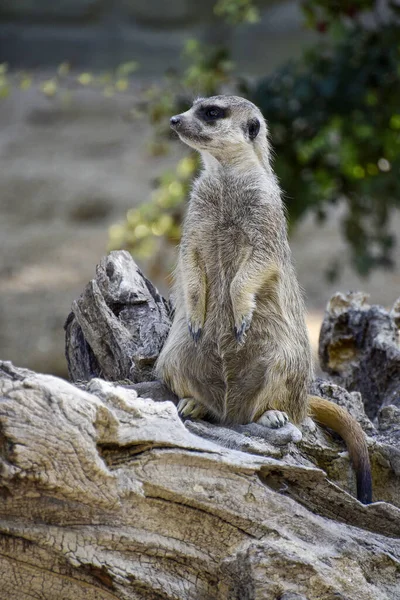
[{"x": 222, "y": 250}]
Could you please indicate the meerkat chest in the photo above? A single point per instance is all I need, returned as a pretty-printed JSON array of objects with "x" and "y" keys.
[{"x": 226, "y": 214}]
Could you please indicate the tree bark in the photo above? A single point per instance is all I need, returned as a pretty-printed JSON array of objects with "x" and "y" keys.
[
  {"x": 118, "y": 325},
  {"x": 359, "y": 349}
]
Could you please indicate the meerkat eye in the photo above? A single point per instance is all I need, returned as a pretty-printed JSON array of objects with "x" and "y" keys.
[
  {"x": 253, "y": 128},
  {"x": 212, "y": 113}
]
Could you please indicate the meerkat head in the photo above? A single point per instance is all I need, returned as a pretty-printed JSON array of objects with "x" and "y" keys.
[{"x": 229, "y": 128}]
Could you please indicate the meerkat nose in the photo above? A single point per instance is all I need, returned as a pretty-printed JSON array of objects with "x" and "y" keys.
[{"x": 175, "y": 121}]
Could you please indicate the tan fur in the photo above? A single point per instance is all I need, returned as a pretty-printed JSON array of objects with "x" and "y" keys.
[
  {"x": 234, "y": 267},
  {"x": 334, "y": 416},
  {"x": 235, "y": 272}
]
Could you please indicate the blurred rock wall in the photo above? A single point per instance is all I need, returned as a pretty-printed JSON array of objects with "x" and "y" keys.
[{"x": 100, "y": 34}]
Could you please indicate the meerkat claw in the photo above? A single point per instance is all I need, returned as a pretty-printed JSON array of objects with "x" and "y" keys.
[
  {"x": 195, "y": 332},
  {"x": 188, "y": 408},
  {"x": 240, "y": 332},
  {"x": 273, "y": 419}
]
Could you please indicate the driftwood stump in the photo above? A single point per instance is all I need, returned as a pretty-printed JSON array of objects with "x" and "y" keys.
[
  {"x": 106, "y": 494},
  {"x": 359, "y": 349},
  {"x": 118, "y": 325}
]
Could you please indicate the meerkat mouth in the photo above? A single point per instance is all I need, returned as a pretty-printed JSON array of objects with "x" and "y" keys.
[
  {"x": 194, "y": 137},
  {"x": 187, "y": 135}
]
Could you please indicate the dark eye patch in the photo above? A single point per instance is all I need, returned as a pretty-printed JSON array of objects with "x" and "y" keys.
[{"x": 211, "y": 113}]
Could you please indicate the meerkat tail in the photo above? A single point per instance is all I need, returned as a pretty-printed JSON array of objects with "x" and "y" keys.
[{"x": 337, "y": 418}]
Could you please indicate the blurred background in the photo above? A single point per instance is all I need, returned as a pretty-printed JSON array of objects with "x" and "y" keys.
[{"x": 88, "y": 163}]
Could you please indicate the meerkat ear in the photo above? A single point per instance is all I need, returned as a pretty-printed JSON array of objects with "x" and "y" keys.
[{"x": 253, "y": 128}]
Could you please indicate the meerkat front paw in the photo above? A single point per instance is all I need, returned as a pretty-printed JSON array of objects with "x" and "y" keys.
[
  {"x": 241, "y": 327},
  {"x": 195, "y": 330},
  {"x": 273, "y": 419},
  {"x": 188, "y": 408},
  {"x": 243, "y": 305}
]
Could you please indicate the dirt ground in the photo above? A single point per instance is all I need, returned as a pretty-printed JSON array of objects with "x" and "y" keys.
[{"x": 68, "y": 173}]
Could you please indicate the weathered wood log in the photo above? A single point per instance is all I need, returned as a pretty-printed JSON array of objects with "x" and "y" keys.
[
  {"x": 106, "y": 495},
  {"x": 118, "y": 325},
  {"x": 359, "y": 349}
]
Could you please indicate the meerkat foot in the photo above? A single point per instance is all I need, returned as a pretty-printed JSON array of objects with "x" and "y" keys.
[
  {"x": 188, "y": 408},
  {"x": 195, "y": 331},
  {"x": 273, "y": 419}
]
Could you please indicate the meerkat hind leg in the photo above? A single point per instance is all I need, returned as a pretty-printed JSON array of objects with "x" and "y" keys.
[
  {"x": 189, "y": 408},
  {"x": 273, "y": 419}
]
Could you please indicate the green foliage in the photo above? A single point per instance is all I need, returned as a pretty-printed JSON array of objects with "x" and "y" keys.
[
  {"x": 334, "y": 119},
  {"x": 237, "y": 11},
  {"x": 63, "y": 81},
  {"x": 4, "y": 81},
  {"x": 321, "y": 14},
  {"x": 8, "y": 82},
  {"x": 110, "y": 82}
]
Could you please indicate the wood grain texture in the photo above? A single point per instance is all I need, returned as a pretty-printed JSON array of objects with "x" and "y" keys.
[
  {"x": 107, "y": 495},
  {"x": 118, "y": 325},
  {"x": 359, "y": 349}
]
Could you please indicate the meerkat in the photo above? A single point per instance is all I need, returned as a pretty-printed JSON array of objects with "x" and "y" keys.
[{"x": 238, "y": 349}]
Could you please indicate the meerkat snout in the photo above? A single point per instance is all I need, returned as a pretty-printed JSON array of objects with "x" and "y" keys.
[{"x": 175, "y": 121}]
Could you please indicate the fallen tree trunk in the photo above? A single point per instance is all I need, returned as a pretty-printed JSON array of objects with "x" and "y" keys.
[{"x": 106, "y": 494}]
